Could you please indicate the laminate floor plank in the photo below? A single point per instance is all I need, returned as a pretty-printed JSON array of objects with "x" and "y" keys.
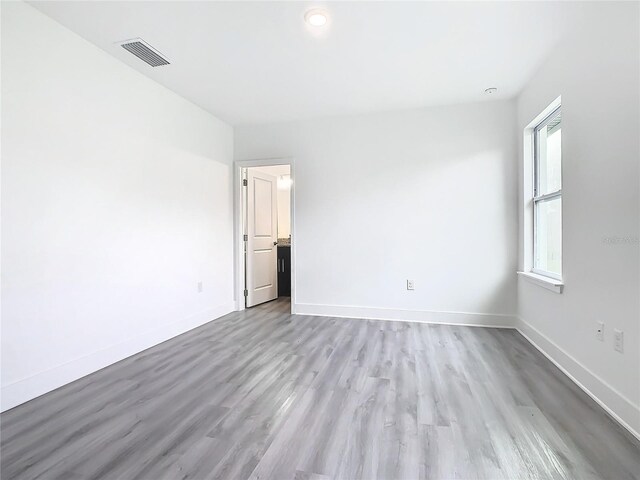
[{"x": 262, "y": 394}]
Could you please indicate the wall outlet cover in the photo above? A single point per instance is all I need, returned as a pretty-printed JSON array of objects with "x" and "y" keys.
[
  {"x": 410, "y": 285},
  {"x": 618, "y": 340}
]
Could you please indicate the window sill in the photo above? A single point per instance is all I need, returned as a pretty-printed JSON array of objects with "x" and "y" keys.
[{"x": 545, "y": 282}]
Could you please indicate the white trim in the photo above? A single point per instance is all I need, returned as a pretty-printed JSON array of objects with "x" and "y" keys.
[
  {"x": 545, "y": 282},
  {"x": 617, "y": 406},
  {"x": 238, "y": 227},
  {"x": 545, "y": 113},
  {"x": 546, "y": 274},
  {"x": 539, "y": 199},
  {"x": 471, "y": 319},
  {"x": 43, "y": 382},
  {"x": 548, "y": 196},
  {"x": 528, "y": 180}
]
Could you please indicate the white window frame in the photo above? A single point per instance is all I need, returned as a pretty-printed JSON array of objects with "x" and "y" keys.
[{"x": 537, "y": 199}]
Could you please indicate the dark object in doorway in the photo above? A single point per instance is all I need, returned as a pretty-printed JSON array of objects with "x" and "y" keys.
[{"x": 284, "y": 271}]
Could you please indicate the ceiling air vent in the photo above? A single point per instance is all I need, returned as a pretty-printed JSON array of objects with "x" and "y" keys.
[{"x": 144, "y": 52}]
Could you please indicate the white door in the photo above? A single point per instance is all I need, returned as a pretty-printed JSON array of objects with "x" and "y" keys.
[{"x": 262, "y": 238}]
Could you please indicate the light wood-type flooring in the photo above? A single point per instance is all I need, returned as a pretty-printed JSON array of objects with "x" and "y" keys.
[{"x": 261, "y": 394}]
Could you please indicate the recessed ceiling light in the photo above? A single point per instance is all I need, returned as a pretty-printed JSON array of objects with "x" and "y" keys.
[
  {"x": 316, "y": 17},
  {"x": 491, "y": 90}
]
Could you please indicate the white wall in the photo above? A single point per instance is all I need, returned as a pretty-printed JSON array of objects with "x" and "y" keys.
[
  {"x": 428, "y": 195},
  {"x": 595, "y": 70},
  {"x": 116, "y": 202}
]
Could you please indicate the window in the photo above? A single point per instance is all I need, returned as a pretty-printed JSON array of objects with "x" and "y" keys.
[{"x": 547, "y": 196}]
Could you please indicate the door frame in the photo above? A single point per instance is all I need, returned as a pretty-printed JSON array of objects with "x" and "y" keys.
[{"x": 238, "y": 240}]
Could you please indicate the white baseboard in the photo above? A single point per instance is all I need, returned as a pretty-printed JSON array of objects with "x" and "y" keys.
[
  {"x": 620, "y": 408},
  {"x": 421, "y": 316},
  {"x": 28, "y": 388}
]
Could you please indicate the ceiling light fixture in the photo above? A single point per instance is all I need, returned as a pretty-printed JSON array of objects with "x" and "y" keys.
[
  {"x": 316, "y": 17},
  {"x": 490, "y": 91}
]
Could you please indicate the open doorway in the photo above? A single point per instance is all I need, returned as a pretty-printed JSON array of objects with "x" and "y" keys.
[{"x": 266, "y": 233}]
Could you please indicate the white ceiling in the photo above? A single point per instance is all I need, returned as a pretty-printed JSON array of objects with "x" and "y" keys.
[{"x": 254, "y": 62}]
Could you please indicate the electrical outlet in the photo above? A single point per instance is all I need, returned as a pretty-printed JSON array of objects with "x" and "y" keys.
[
  {"x": 410, "y": 285},
  {"x": 600, "y": 331},
  {"x": 199, "y": 287},
  {"x": 618, "y": 340}
]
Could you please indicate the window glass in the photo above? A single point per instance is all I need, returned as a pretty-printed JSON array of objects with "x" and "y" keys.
[
  {"x": 549, "y": 235},
  {"x": 549, "y": 141}
]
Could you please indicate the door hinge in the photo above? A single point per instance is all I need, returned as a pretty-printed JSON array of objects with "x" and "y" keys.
[
  {"x": 246, "y": 238},
  {"x": 244, "y": 182},
  {"x": 246, "y": 293}
]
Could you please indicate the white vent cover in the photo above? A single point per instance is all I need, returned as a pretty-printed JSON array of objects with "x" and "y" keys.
[{"x": 144, "y": 52}]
